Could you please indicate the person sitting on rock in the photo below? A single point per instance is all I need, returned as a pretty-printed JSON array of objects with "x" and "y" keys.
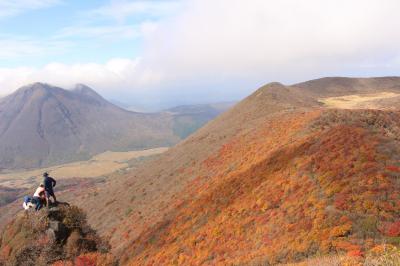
[
  {"x": 38, "y": 197},
  {"x": 27, "y": 203},
  {"x": 49, "y": 183}
]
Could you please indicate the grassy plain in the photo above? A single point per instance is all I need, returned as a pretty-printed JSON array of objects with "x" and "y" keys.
[
  {"x": 100, "y": 165},
  {"x": 359, "y": 101}
]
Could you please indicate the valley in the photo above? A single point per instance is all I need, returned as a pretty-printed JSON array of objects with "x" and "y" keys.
[
  {"x": 289, "y": 174},
  {"x": 77, "y": 176},
  {"x": 99, "y": 165}
]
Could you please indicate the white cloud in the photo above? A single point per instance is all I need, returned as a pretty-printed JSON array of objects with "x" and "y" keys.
[
  {"x": 117, "y": 73},
  {"x": 286, "y": 39},
  {"x": 241, "y": 44},
  {"x": 14, "y": 7}
]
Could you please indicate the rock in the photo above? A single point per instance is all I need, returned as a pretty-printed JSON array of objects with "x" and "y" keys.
[
  {"x": 59, "y": 230},
  {"x": 51, "y": 235},
  {"x": 55, "y": 225},
  {"x": 54, "y": 213}
]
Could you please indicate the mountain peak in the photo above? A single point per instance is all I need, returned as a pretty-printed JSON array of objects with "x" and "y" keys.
[
  {"x": 36, "y": 86},
  {"x": 274, "y": 89},
  {"x": 37, "y": 89},
  {"x": 274, "y": 85},
  {"x": 85, "y": 90},
  {"x": 82, "y": 88}
]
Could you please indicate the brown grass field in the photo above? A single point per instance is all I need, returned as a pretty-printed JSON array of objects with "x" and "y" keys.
[
  {"x": 100, "y": 165},
  {"x": 359, "y": 101}
]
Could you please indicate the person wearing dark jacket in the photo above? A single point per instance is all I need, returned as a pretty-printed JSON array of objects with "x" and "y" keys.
[{"x": 49, "y": 183}]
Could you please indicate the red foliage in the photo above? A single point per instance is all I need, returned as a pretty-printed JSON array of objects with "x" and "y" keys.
[
  {"x": 267, "y": 240},
  {"x": 391, "y": 229},
  {"x": 393, "y": 168},
  {"x": 126, "y": 235},
  {"x": 279, "y": 192},
  {"x": 340, "y": 201},
  {"x": 85, "y": 261},
  {"x": 394, "y": 229},
  {"x": 355, "y": 253},
  {"x": 5, "y": 252}
]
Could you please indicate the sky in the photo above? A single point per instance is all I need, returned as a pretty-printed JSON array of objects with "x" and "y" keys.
[{"x": 160, "y": 53}]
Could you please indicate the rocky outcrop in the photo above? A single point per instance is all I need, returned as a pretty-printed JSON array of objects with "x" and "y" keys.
[{"x": 58, "y": 234}]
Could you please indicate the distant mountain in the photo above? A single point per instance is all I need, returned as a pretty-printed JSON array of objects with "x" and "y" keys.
[
  {"x": 338, "y": 86},
  {"x": 119, "y": 104},
  {"x": 44, "y": 125},
  {"x": 188, "y": 118}
]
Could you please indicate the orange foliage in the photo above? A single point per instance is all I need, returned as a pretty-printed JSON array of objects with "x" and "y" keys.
[
  {"x": 355, "y": 253},
  {"x": 298, "y": 186},
  {"x": 5, "y": 252},
  {"x": 381, "y": 249}
]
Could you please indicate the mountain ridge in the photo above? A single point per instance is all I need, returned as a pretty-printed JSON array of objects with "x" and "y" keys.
[
  {"x": 337, "y": 86},
  {"x": 224, "y": 186}
]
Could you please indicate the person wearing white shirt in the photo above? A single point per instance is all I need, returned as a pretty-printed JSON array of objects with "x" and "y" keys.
[{"x": 37, "y": 197}]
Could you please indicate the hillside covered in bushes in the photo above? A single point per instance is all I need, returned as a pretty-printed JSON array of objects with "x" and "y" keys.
[{"x": 302, "y": 185}]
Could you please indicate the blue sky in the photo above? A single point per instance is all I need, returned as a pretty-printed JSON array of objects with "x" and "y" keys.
[
  {"x": 159, "y": 53},
  {"x": 76, "y": 31}
]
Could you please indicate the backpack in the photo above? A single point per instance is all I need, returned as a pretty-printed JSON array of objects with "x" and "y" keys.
[{"x": 27, "y": 199}]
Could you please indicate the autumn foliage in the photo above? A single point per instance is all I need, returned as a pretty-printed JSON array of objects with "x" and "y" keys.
[{"x": 305, "y": 183}]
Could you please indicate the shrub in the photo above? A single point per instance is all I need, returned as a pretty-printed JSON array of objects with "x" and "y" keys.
[
  {"x": 394, "y": 229},
  {"x": 74, "y": 217},
  {"x": 388, "y": 256},
  {"x": 367, "y": 227},
  {"x": 95, "y": 259},
  {"x": 5, "y": 252},
  {"x": 390, "y": 229},
  {"x": 128, "y": 211},
  {"x": 355, "y": 253}
]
